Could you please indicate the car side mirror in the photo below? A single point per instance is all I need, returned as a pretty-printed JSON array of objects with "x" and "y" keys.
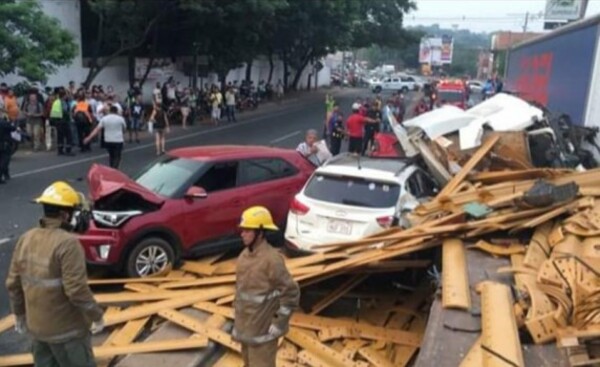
[{"x": 196, "y": 192}]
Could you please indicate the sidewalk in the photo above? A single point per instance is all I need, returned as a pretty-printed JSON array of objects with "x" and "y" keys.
[{"x": 291, "y": 99}]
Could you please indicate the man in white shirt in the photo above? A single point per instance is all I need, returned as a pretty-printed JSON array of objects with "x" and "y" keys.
[
  {"x": 157, "y": 95},
  {"x": 230, "y": 104},
  {"x": 314, "y": 150},
  {"x": 113, "y": 125}
]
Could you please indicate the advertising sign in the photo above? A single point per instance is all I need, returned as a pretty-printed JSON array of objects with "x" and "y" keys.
[
  {"x": 424, "y": 52},
  {"x": 565, "y": 10},
  {"x": 447, "y": 48}
]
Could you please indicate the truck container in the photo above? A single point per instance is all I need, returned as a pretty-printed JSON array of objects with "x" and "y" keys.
[{"x": 560, "y": 70}]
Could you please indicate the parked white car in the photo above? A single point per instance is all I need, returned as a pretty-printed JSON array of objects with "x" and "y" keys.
[
  {"x": 399, "y": 83},
  {"x": 349, "y": 198}
]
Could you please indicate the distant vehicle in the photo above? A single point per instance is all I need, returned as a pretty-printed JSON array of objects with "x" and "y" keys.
[
  {"x": 186, "y": 203},
  {"x": 452, "y": 92},
  {"x": 475, "y": 86},
  {"x": 395, "y": 83},
  {"x": 388, "y": 68},
  {"x": 352, "y": 197}
]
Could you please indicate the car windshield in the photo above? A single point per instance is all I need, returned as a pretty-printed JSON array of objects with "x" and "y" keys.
[
  {"x": 353, "y": 191},
  {"x": 168, "y": 175},
  {"x": 450, "y": 96}
]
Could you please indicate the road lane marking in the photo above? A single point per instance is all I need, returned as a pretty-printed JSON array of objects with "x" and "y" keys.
[
  {"x": 148, "y": 145},
  {"x": 285, "y": 137}
]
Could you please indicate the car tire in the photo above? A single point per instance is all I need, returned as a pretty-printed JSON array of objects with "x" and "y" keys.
[
  {"x": 151, "y": 255},
  {"x": 404, "y": 90},
  {"x": 377, "y": 90}
]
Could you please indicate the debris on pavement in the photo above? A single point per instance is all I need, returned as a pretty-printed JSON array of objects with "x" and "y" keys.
[{"x": 543, "y": 223}]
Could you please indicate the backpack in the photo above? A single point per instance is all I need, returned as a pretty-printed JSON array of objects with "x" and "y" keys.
[{"x": 81, "y": 118}]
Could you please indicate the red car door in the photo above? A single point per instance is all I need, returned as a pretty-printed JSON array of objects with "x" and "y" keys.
[
  {"x": 270, "y": 182},
  {"x": 216, "y": 216}
]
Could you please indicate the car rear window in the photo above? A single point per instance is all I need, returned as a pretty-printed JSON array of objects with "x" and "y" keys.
[
  {"x": 352, "y": 191},
  {"x": 450, "y": 96}
]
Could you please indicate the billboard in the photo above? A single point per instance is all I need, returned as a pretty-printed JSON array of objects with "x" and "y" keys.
[
  {"x": 436, "y": 50},
  {"x": 565, "y": 10}
]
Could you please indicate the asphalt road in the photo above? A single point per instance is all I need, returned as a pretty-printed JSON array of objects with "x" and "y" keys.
[{"x": 272, "y": 124}]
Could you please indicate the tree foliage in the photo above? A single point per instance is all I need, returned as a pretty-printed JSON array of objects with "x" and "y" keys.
[{"x": 32, "y": 44}]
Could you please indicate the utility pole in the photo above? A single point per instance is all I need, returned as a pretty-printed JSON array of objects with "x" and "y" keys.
[{"x": 526, "y": 22}]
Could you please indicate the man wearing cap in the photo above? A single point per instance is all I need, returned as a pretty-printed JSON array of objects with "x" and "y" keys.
[
  {"x": 355, "y": 125},
  {"x": 47, "y": 284},
  {"x": 266, "y": 294}
]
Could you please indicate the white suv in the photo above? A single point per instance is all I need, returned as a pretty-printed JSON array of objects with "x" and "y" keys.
[
  {"x": 399, "y": 83},
  {"x": 349, "y": 198}
]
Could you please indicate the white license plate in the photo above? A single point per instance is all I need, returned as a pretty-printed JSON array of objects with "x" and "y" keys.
[{"x": 339, "y": 227}]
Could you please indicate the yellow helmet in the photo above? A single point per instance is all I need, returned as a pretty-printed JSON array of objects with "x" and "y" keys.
[
  {"x": 60, "y": 194},
  {"x": 257, "y": 217}
]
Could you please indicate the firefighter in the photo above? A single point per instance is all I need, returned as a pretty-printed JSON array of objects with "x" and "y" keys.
[
  {"x": 266, "y": 294},
  {"x": 47, "y": 284}
]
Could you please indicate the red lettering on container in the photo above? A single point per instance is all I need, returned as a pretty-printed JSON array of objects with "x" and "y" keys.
[{"x": 534, "y": 77}]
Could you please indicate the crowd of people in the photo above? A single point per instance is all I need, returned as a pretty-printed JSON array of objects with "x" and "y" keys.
[
  {"x": 68, "y": 118},
  {"x": 368, "y": 117}
]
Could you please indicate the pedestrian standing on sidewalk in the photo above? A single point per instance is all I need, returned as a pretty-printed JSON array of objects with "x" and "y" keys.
[
  {"x": 161, "y": 127},
  {"x": 47, "y": 285},
  {"x": 83, "y": 116},
  {"x": 184, "y": 102},
  {"x": 280, "y": 90},
  {"x": 336, "y": 130},
  {"x": 114, "y": 126},
  {"x": 136, "y": 110},
  {"x": 12, "y": 106},
  {"x": 59, "y": 118},
  {"x": 374, "y": 113},
  {"x": 215, "y": 102},
  {"x": 34, "y": 110},
  {"x": 355, "y": 125},
  {"x": 6, "y": 128},
  {"x": 266, "y": 294},
  {"x": 230, "y": 104}
]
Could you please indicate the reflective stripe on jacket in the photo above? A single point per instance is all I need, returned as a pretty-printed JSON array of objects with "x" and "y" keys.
[
  {"x": 47, "y": 282},
  {"x": 266, "y": 294}
]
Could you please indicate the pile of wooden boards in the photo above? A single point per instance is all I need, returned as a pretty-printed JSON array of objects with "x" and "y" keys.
[
  {"x": 556, "y": 278},
  {"x": 386, "y": 332}
]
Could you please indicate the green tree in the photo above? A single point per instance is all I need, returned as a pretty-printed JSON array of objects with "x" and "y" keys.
[
  {"x": 122, "y": 27},
  {"x": 32, "y": 44}
]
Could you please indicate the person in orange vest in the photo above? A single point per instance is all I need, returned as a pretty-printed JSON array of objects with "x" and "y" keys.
[{"x": 82, "y": 114}]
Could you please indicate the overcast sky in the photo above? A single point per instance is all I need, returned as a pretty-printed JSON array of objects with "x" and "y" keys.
[{"x": 484, "y": 15}]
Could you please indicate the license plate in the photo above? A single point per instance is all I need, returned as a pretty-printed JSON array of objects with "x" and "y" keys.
[{"x": 339, "y": 227}]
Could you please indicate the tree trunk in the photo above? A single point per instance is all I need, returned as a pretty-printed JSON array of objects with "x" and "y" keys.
[
  {"x": 271, "y": 67},
  {"x": 92, "y": 74},
  {"x": 222, "y": 78},
  {"x": 249, "y": 71},
  {"x": 285, "y": 71},
  {"x": 299, "y": 74},
  {"x": 131, "y": 68}
]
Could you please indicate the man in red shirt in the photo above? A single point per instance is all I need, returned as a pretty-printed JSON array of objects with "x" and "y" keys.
[{"x": 355, "y": 126}]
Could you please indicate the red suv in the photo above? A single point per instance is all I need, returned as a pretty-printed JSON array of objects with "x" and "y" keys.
[{"x": 186, "y": 203}]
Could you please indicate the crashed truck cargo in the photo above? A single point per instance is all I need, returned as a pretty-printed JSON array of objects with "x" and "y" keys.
[{"x": 529, "y": 135}]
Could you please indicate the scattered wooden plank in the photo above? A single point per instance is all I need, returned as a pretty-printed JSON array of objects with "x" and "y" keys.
[
  {"x": 344, "y": 288},
  {"x": 455, "y": 284},
  {"x": 7, "y": 322},
  {"x": 104, "y": 352}
]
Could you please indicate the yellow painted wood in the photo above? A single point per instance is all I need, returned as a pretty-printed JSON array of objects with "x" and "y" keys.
[
  {"x": 152, "y": 308},
  {"x": 230, "y": 359},
  {"x": 7, "y": 323},
  {"x": 136, "y": 280},
  {"x": 111, "y": 351},
  {"x": 474, "y": 357},
  {"x": 498, "y": 327},
  {"x": 197, "y": 326},
  {"x": 126, "y": 297},
  {"x": 456, "y": 292},
  {"x": 344, "y": 288},
  {"x": 375, "y": 357},
  {"x": 498, "y": 250},
  {"x": 141, "y": 288},
  {"x": 319, "y": 350}
]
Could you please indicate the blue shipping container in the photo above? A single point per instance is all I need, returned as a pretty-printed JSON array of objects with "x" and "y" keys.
[{"x": 555, "y": 71}]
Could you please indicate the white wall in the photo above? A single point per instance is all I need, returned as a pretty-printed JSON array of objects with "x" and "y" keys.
[{"x": 116, "y": 74}]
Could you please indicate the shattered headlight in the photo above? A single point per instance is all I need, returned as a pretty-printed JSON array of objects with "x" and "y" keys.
[{"x": 114, "y": 219}]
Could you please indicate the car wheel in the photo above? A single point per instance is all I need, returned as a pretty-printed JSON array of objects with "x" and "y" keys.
[
  {"x": 404, "y": 90},
  {"x": 377, "y": 90},
  {"x": 150, "y": 256}
]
